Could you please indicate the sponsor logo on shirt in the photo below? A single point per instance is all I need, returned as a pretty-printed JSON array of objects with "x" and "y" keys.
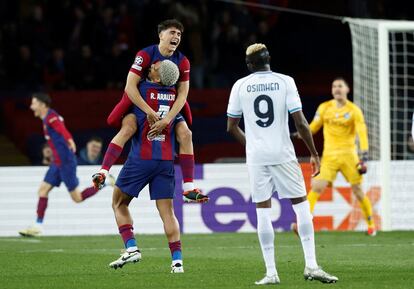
[{"x": 160, "y": 137}]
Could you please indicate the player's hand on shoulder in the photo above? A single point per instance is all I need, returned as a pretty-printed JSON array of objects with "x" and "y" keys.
[{"x": 316, "y": 165}]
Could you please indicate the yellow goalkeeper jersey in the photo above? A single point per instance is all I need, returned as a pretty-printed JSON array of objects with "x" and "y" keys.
[{"x": 340, "y": 127}]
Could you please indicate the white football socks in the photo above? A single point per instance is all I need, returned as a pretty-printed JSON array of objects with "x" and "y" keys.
[
  {"x": 266, "y": 238},
  {"x": 306, "y": 232},
  {"x": 189, "y": 186},
  {"x": 105, "y": 172}
]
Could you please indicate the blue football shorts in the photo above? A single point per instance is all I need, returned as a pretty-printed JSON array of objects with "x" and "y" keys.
[
  {"x": 158, "y": 174},
  {"x": 65, "y": 173}
]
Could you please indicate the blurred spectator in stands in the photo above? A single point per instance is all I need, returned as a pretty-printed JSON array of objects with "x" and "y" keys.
[
  {"x": 91, "y": 153},
  {"x": 105, "y": 33},
  {"x": 35, "y": 32},
  {"x": 118, "y": 62},
  {"x": 47, "y": 154},
  {"x": 26, "y": 71},
  {"x": 3, "y": 65},
  {"x": 85, "y": 70},
  {"x": 263, "y": 32},
  {"x": 55, "y": 70},
  {"x": 226, "y": 45},
  {"x": 190, "y": 13},
  {"x": 125, "y": 25},
  {"x": 81, "y": 31}
]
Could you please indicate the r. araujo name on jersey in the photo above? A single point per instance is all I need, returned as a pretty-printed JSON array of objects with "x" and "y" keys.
[
  {"x": 163, "y": 96},
  {"x": 265, "y": 100},
  {"x": 162, "y": 147},
  {"x": 162, "y": 110}
]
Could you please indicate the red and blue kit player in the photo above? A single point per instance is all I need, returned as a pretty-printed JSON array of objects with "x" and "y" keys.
[
  {"x": 170, "y": 36},
  {"x": 63, "y": 166},
  {"x": 150, "y": 162}
]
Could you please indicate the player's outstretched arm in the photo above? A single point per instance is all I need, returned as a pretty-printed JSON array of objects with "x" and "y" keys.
[
  {"x": 305, "y": 133},
  {"x": 134, "y": 95},
  {"x": 234, "y": 129}
]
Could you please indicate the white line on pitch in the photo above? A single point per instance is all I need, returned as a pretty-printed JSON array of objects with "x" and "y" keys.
[{"x": 24, "y": 240}]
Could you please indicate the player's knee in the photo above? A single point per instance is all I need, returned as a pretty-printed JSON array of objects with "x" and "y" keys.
[
  {"x": 184, "y": 136},
  {"x": 128, "y": 129},
  {"x": 116, "y": 204}
]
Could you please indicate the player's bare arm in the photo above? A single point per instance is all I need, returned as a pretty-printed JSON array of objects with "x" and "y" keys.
[
  {"x": 234, "y": 129},
  {"x": 305, "y": 134},
  {"x": 72, "y": 145},
  {"x": 182, "y": 91},
  {"x": 131, "y": 89}
]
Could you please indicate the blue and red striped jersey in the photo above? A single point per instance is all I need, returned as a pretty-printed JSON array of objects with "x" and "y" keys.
[
  {"x": 151, "y": 54},
  {"x": 162, "y": 147},
  {"x": 57, "y": 136}
]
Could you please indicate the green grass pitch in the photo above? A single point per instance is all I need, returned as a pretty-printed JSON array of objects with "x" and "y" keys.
[{"x": 210, "y": 261}]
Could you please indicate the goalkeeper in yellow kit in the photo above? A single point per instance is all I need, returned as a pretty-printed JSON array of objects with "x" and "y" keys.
[{"x": 342, "y": 121}]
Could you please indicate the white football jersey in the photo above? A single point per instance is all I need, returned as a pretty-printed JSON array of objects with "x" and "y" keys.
[{"x": 265, "y": 99}]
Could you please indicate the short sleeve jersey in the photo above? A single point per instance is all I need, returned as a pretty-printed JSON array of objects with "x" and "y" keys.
[
  {"x": 151, "y": 54},
  {"x": 265, "y": 100},
  {"x": 56, "y": 141}
]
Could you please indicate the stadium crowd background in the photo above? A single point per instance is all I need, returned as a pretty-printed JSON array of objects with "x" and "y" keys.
[{"x": 70, "y": 46}]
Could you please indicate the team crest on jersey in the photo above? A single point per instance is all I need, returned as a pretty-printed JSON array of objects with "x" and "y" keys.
[{"x": 347, "y": 115}]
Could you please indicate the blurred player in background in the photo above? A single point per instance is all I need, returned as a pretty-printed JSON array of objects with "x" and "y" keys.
[
  {"x": 169, "y": 32},
  {"x": 63, "y": 165},
  {"x": 342, "y": 121},
  {"x": 151, "y": 161},
  {"x": 265, "y": 99}
]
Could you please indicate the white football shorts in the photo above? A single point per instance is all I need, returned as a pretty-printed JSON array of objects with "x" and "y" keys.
[{"x": 286, "y": 179}]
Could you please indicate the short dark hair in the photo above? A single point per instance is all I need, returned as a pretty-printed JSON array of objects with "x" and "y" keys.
[
  {"x": 164, "y": 25},
  {"x": 95, "y": 138},
  {"x": 43, "y": 97},
  {"x": 341, "y": 78}
]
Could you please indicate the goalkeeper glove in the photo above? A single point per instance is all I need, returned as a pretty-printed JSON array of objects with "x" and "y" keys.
[{"x": 361, "y": 166}]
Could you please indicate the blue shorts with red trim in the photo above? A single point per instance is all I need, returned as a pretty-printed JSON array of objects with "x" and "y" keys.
[
  {"x": 158, "y": 174},
  {"x": 65, "y": 173}
]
